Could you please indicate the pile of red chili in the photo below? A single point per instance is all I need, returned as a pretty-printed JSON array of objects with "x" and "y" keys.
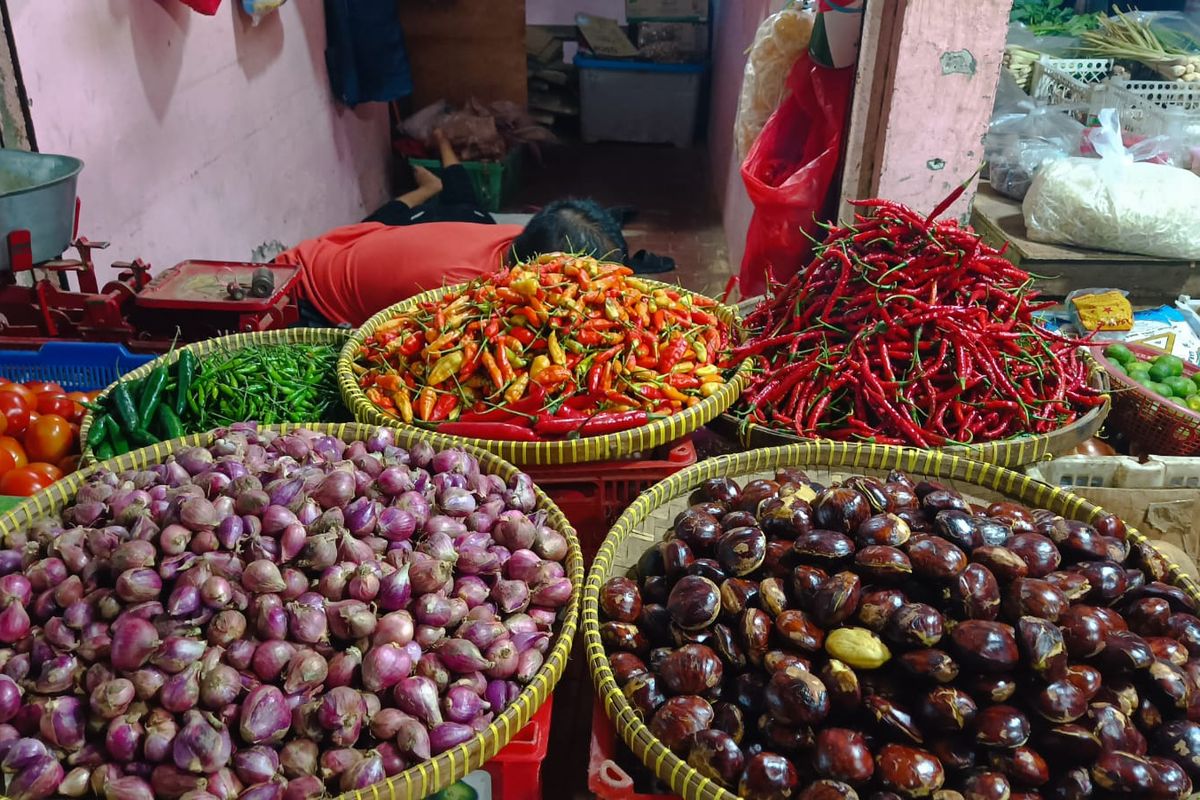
[
  {"x": 567, "y": 346},
  {"x": 906, "y": 331}
]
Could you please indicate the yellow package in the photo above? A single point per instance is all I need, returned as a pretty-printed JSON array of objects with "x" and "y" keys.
[{"x": 1107, "y": 311}]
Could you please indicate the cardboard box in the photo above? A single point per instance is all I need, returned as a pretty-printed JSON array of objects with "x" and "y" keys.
[
  {"x": 672, "y": 41},
  {"x": 605, "y": 37},
  {"x": 667, "y": 10}
]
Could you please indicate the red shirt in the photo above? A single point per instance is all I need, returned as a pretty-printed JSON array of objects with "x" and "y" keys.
[{"x": 355, "y": 271}]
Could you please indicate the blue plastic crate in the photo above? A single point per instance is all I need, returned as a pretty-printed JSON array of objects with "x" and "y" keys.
[{"x": 77, "y": 366}]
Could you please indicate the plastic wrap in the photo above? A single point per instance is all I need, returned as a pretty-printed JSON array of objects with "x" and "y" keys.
[
  {"x": 1116, "y": 202},
  {"x": 780, "y": 40},
  {"x": 1023, "y": 136}
]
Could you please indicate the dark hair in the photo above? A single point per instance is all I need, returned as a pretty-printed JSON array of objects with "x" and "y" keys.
[{"x": 571, "y": 226}]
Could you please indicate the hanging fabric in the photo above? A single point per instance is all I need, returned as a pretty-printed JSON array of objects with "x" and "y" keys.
[{"x": 365, "y": 52}]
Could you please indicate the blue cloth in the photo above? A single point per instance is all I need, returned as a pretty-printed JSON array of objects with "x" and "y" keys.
[{"x": 365, "y": 52}]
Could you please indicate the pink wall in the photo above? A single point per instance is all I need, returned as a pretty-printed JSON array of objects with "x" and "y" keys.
[
  {"x": 203, "y": 137},
  {"x": 734, "y": 25}
]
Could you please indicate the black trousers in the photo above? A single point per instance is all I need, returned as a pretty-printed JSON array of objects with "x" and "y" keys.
[{"x": 457, "y": 202}]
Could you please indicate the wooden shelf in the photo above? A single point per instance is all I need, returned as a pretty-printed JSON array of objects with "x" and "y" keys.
[{"x": 1148, "y": 280}]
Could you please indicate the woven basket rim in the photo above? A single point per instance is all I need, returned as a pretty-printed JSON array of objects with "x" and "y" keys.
[
  {"x": 1017, "y": 451},
  {"x": 566, "y": 451},
  {"x": 202, "y": 348},
  {"x": 442, "y": 770},
  {"x": 1134, "y": 392},
  {"x": 683, "y": 779}
]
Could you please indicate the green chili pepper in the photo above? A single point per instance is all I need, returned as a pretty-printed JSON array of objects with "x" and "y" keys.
[
  {"x": 103, "y": 451},
  {"x": 123, "y": 404},
  {"x": 116, "y": 438},
  {"x": 185, "y": 373},
  {"x": 99, "y": 430},
  {"x": 152, "y": 391},
  {"x": 142, "y": 437},
  {"x": 168, "y": 422}
]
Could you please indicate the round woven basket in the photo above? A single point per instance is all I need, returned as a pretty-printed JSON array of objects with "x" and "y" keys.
[
  {"x": 1152, "y": 423},
  {"x": 1013, "y": 453},
  {"x": 333, "y": 336},
  {"x": 566, "y": 451},
  {"x": 451, "y": 766},
  {"x": 652, "y": 514}
]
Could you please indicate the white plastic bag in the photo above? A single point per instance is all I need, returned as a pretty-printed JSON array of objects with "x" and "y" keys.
[
  {"x": 780, "y": 40},
  {"x": 1023, "y": 136},
  {"x": 1116, "y": 202}
]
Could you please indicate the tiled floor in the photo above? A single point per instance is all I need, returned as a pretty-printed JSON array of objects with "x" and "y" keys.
[{"x": 670, "y": 188}]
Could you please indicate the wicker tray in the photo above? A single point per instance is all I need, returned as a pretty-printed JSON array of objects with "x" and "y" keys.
[
  {"x": 652, "y": 514},
  {"x": 451, "y": 766},
  {"x": 1153, "y": 423},
  {"x": 1012, "y": 453},
  {"x": 334, "y": 336},
  {"x": 567, "y": 451}
]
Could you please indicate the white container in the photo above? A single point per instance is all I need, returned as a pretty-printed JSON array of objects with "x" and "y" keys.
[{"x": 632, "y": 101}]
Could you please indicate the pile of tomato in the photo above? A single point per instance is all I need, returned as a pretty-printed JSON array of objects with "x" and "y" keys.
[{"x": 39, "y": 434}]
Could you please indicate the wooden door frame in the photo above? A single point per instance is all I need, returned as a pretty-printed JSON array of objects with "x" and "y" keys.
[{"x": 16, "y": 123}]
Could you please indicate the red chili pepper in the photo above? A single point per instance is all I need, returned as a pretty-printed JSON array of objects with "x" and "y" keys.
[
  {"x": 522, "y": 334},
  {"x": 601, "y": 424},
  {"x": 504, "y": 431},
  {"x": 671, "y": 355},
  {"x": 550, "y": 425},
  {"x": 445, "y": 404}
]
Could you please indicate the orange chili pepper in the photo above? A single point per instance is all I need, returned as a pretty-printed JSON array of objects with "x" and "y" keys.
[
  {"x": 388, "y": 383},
  {"x": 493, "y": 369},
  {"x": 506, "y": 370},
  {"x": 553, "y": 376},
  {"x": 425, "y": 402}
]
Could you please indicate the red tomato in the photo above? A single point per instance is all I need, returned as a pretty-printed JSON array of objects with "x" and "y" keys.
[
  {"x": 48, "y": 438},
  {"x": 22, "y": 482},
  {"x": 44, "y": 386},
  {"x": 14, "y": 449},
  {"x": 69, "y": 464},
  {"x": 6, "y": 461},
  {"x": 77, "y": 400},
  {"x": 16, "y": 413},
  {"x": 33, "y": 415},
  {"x": 54, "y": 403},
  {"x": 28, "y": 396},
  {"x": 49, "y": 471}
]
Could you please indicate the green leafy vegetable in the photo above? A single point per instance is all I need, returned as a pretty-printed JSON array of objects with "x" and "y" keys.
[{"x": 1052, "y": 18}]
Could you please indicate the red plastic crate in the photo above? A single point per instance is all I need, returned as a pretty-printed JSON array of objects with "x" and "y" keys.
[
  {"x": 593, "y": 495},
  {"x": 517, "y": 769},
  {"x": 607, "y": 779}
]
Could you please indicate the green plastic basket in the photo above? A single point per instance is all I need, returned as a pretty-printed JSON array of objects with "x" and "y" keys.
[{"x": 494, "y": 181}]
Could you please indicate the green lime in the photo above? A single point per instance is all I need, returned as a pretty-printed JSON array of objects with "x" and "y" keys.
[
  {"x": 1119, "y": 353},
  {"x": 1193, "y": 402},
  {"x": 1138, "y": 369},
  {"x": 1180, "y": 386},
  {"x": 1160, "y": 372},
  {"x": 1196, "y": 379},
  {"x": 1179, "y": 401},
  {"x": 1116, "y": 366},
  {"x": 1174, "y": 363},
  {"x": 1161, "y": 389}
]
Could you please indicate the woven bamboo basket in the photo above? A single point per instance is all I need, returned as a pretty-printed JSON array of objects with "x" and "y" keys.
[
  {"x": 651, "y": 516},
  {"x": 1012, "y": 453},
  {"x": 451, "y": 766},
  {"x": 1151, "y": 422},
  {"x": 567, "y": 451},
  {"x": 332, "y": 336}
]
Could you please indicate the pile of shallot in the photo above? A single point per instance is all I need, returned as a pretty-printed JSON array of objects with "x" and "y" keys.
[{"x": 274, "y": 617}]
